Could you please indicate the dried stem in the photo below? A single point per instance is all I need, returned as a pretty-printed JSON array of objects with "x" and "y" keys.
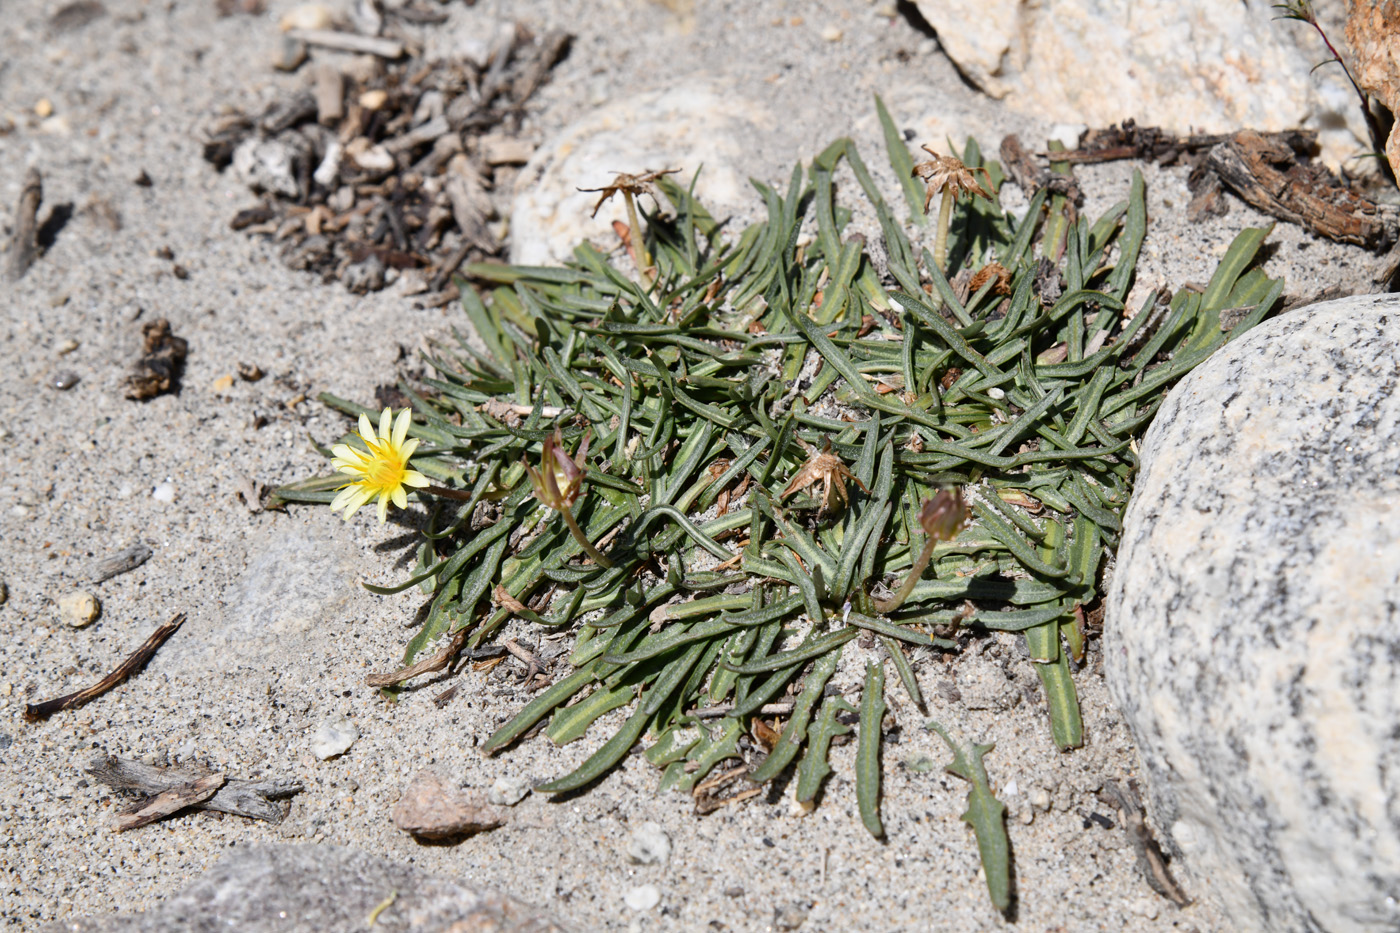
[{"x": 915, "y": 572}]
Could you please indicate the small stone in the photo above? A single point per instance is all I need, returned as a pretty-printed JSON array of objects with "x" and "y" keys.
[
  {"x": 291, "y": 54},
  {"x": 307, "y": 16},
  {"x": 507, "y": 791},
  {"x": 64, "y": 380},
  {"x": 79, "y": 609},
  {"x": 649, "y": 845},
  {"x": 4, "y": 593},
  {"x": 373, "y": 100},
  {"x": 6, "y": 689},
  {"x": 44, "y": 108},
  {"x": 334, "y": 736},
  {"x": 832, "y": 34},
  {"x": 432, "y": 808},
  {"x": 733, "y": 891},
  {"x": 1040, "y": 799},
  {"x": 223, "y": 383},
  {"x": 66, "y": 347},
  {"x": 642, "y": 897},
  {"x": 249, "y": 372},
  {"x": 165, "y": 492},
  {"x": 791, "y": 917}
]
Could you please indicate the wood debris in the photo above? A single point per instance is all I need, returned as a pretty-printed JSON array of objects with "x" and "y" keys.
[
  {"x": 398, "y": 164},
  {"x": 24, "y": 243},
  {"x": 190, "y": 787},
  {"x": 1272, "y": 172},
  {"x": 34, "y": 712}
]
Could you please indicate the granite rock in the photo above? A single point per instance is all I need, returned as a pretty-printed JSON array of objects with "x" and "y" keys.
[
  {"x": 316, "y": 888},
  {"x": 1373, "y": 32},
  {"x": 684, "y": 127},
  {"x": 1253, "y": 630},
  {"x": 1183, "y": 64}
]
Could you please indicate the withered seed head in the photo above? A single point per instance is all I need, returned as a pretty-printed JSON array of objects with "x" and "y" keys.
[
  {"x": 949, "y": 173},
  {"x": 635, "y": 185}
]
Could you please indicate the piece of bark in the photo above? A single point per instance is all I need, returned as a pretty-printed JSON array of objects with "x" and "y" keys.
[
  {"x": 24, "y": 244},
  {"x": 171, "y": 801},
  {"x": 1031, "y": 171},
  {"x": 328, "y": 88},
  {"x": 1152, "y": 862},
  {"x": 120, "y": 562},
  {"x": 33, "y": 712},
  {"x": 432, "y": 808},
  {"x": 1266, "y": 173},
  {"x": 259, "y": 800}
]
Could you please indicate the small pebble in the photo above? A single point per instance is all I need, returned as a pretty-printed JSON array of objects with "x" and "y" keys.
[
  {"x": 996, "y": 393},
  {"x": 507, "y": 791},
  {"x": 649, "y": 845},
  {"x": 165, "y": 492},
  {"x": 1041, "y": 799},
  {"x": 4, "y": 592},
  {"x": 642, "y": 897},
  {"x": 6, "y": 688},
  {"x": 291, "y": 54},
  {"x": 373, "y": 100},
  {"x": 223, "y": 383},
  {"x": 334, "y": 736},
  {"x": 66, "y": 347},
  {"x": 432, "y": 808},
  {"x": 44, "y": 108},
  {"x": 79, "y": 609},
  {"x": 832, "y": 34},
  {"x": 64, "y": 380}
]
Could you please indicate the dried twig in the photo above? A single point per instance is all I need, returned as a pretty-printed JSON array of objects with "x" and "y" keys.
[
  {"x": 532, "y": 661},
  {"x": 121, "y": 562},
  {"x": 1152, "y": 862},
  {"x": 435, "y": 663},
  {"x": 33, "y": 712},
  {"x": 349, "y": 42},
  {"x": 259, "y": 800}
]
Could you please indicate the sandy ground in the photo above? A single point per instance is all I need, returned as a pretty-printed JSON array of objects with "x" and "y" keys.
[{"x": 280, "y": 635}]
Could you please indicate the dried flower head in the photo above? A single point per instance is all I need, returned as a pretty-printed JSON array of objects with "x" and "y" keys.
[
  {"x": 950, "y": 174},
  {"x": 993, "y": 272},
  {"x": 825, "y": 468},
  {"x": 383, "y": 470},
  {"x": 559, "y": 479},
  {"x": 631, "y": 186}
]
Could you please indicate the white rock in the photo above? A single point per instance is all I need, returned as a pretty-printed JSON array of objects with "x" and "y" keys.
[
  {"x": 164, "y": 492},
  {"x": 1253, "y": 630},
  {"x": 334, "y": 736},
  {"x": 79, "y": 609},
  {"x": 649, "y": 845},
  {"x": 1183, "y": 64},
  {"x": 307, "y": 16},
  {"x": 508, "y": 791},
  {"x": 266, "y": 165},
  {"x": 678, "y": 128},
  {"x": 642, "y": 897}
]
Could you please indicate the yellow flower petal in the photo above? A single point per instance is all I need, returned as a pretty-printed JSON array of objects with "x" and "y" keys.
[
  {"x": 401, "y": 428},
  {"x": 383, "y": 506},
  {"x": 366, "y": 430},
  {"x": 385, "y": 419},
  {"x": 415, "y": 479},
  {"x": 399, "y": 497}
]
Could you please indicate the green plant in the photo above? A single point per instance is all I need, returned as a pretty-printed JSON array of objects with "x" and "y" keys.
[{"x": 709, "y": 388}]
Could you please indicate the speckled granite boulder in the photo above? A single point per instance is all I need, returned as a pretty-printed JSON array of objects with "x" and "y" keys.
[
  {"x": 1253, "y": 635},
  {"x": 317, "y": 889}
]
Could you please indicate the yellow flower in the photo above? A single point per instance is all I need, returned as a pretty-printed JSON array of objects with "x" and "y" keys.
[{"x": 382, "y": 472}]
